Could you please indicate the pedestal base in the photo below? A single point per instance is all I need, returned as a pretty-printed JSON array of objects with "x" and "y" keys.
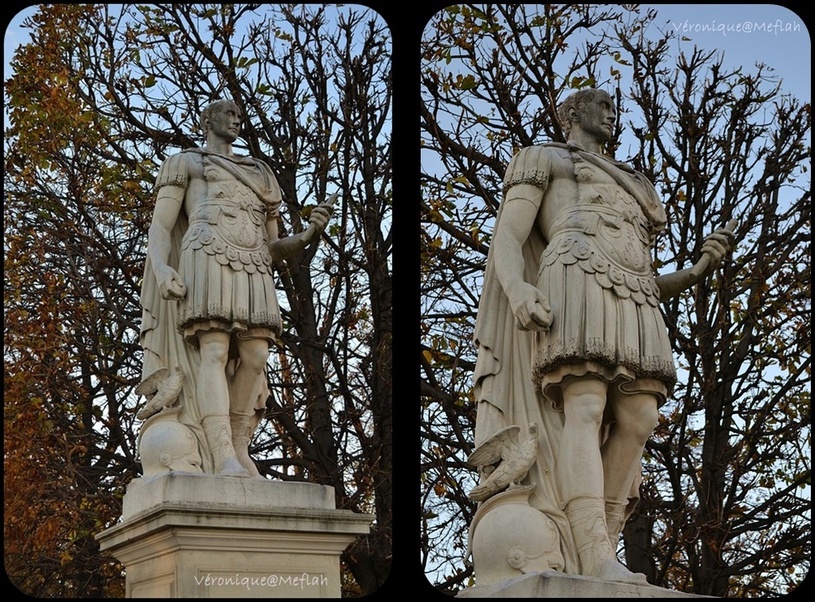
[
  {"x": 204, "y": 536},
  {"x": 552, "y": 584}
]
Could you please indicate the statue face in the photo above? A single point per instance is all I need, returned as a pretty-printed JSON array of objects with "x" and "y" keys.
[
  {"x": 597, "y": 118},
  {"x": 226, "y": 123}
]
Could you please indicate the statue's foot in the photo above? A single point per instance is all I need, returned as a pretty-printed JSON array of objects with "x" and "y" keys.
[
  {"x": 230, "y": 467},
  {"x": 248, "y": 465},
  {"x": 242, "y": 428},
  {"x": 218, "y": 434},
  {"x": 614, "y": 570}
]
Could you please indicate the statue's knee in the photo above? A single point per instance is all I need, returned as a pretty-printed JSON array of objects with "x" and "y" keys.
[
  {"x": 584, "y": 400},
  {"x": 254, "y": 354},
  {"x": 585, "y": 409},
  {"x": 638, "y": 424},
  {"x": 649, "y": 418},
  {"x": 214, "y": 353}
]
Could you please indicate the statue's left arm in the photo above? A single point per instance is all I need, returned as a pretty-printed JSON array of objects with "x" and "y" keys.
[
  {"x": 281, "y": 248},
  {"x": 714, "y": 249}
]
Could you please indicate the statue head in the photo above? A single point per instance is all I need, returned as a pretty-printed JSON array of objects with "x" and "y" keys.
[
  {"x": 581, "y": 106},
  {"x": 219, "y": 116},
  {"x": 166, "y": 445}
]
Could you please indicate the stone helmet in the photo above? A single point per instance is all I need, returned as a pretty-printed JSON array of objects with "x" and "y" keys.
[
  {"x": 166, "y": 445},
  {"x": 508, "y": 538}
]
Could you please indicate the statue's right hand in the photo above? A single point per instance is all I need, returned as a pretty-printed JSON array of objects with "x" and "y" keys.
[
  {"x": 170, "y": 284},
  {"x": 531, "y": 308}
]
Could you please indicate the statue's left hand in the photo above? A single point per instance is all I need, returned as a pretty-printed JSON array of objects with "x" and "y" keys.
[
  {"x": 715, "y": 247},
  {"x": 319, "y": 217}
]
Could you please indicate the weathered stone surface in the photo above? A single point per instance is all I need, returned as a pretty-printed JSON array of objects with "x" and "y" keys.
[
  {"x": 554, "y": 584},
  {"x": 177, "y": 488},
  {"x": 209, "y": 306},
  {"x": 200, "y": 536},
  {"x": 194, "y": 525}
]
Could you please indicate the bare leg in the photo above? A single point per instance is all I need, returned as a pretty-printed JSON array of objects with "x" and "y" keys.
[
  {"x": 636, "y": 416},
  {"x": 212, "y": 395},
  {"x": 212, "y": 389},
  {"x": 580, "y": 474},
  {"x": 579, "y": 464},
  {"x": 245, "y": 386}
]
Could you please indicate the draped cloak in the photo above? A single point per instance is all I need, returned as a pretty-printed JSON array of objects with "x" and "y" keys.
[
  {"x": 503, "y": 378},
  {"x": 162, "y": 332}
]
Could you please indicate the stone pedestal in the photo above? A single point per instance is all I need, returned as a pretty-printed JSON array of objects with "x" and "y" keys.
[
  {"x": 552, "y": 584},
  {"x": 204, "y": 536}
]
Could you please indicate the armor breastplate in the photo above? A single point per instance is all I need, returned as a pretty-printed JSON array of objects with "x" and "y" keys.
[
  {"x": 606, "y": 234},
  {"x": 230, "y": 225}
]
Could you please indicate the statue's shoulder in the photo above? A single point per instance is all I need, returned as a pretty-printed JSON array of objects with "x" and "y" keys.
[
  {"x": 533, "y": 164},
  {"x": 539, "y": 154},
  {"x": 175, "y": 170},
  {"x": 189, "y": 156},
  {"x": 263, "y": 166},
  {"x": 183, "y": 159},
  {"x": 551, "y": 146},
  {"x": 268, "y": 175},
  {"x": 546, "y": 147}
]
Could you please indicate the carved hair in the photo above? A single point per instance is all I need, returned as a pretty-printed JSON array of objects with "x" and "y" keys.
[
  {"x": 212, "y": 108},
  {"x": 577, "y": 101}
]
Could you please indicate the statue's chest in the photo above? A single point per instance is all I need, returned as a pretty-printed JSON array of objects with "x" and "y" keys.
[
  {"x": 228, "y": 214},
  {"x": 601, "y": 213}
]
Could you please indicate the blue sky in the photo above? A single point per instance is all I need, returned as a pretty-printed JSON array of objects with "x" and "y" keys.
[
  {"x": 14, "y": 36},
  {"x": 747, "y": 33}
]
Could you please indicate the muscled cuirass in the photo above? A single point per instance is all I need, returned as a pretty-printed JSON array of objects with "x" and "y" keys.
[
  {"x": 230, "y": 224},
  {"x": 606, "y": 234}
]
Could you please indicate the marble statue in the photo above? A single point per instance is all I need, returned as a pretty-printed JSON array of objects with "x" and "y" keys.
[
  {"x": 209, "y": 304},
  {"x": 570, "y": 338}
]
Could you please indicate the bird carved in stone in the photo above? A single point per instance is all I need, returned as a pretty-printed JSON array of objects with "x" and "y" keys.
[
  {"x": 514, "y": 455},
  {"x": 161, "y": 389}
]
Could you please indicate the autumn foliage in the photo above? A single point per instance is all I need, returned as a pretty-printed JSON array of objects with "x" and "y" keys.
[
  {"x": 98, "y": 99},
  {"x": 725, "y": 504}
]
